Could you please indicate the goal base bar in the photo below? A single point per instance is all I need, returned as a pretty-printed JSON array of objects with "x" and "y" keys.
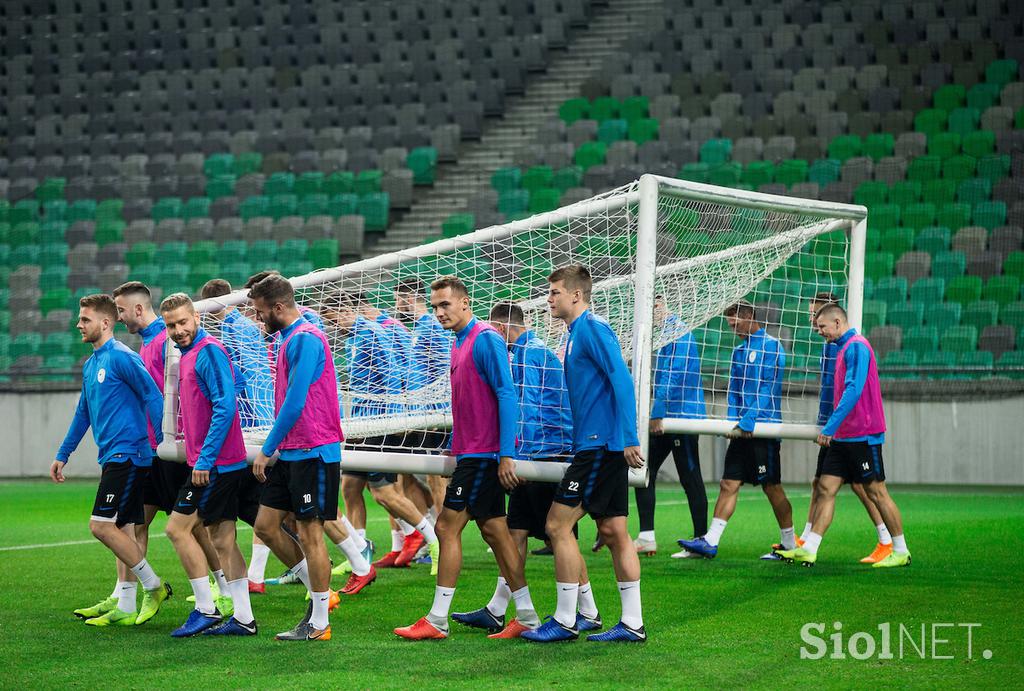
[
  {"x": 724, "y": 428},
  {"x": 419, "y": 464}
]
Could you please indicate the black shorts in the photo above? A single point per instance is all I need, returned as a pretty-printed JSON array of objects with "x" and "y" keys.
[
  {"x": 164, "y": 480},
  {"x": 119, "y": 495},
  {"x": 528, "y": 507},
  {"x": 308, "y": 488},
  {"x": 754, "y": 461},
  {"x": 217, "y": 501},
  {"x": 822, "y": 451},
  {"x": 854, "y": 461},
  {"x": 475, "y": 488},
  {"x": 599, "y": 480},
  {"x": 249, "y": 492},
  {"x": 373, "y": 479}
]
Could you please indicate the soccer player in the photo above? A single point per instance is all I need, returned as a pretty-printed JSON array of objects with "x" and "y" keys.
[
  {"x": 755, "y": 391},
  {"x": 853, "y": 438},
  {"x": 372, "y": 373},
  {"x": 825, "y": 409},
  {"x": 484, "y": 417},
  {"x": 605, "y": 446},
  {"x": 307, "y": 432},
  {"x": 678, "y": 393},
  {"x": 215, "y": 451},
  {"x": 544, "y": 433},
  {"x": 118, "y": 396}
]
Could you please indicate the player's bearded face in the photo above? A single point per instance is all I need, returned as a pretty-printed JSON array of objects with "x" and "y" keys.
[
  {"x": 90, "y": 325},
  {"x": 267, "y": 313},
  {"x": 182, "y": 325}
]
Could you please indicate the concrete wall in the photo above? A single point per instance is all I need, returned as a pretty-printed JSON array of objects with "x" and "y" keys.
[{"x": 951, "y": 441}]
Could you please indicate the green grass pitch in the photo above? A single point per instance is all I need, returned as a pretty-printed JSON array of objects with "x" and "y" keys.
[{"x": 731, "y": 622}]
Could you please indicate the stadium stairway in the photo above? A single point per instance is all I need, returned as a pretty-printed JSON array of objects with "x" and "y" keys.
[{"x": 503, "y": 138}]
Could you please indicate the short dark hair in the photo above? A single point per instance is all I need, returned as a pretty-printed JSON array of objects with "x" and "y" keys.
[
  {"x": 825, "y": 297},
  {"x": 741, "y": 309},
  {"x": 274, "y": 288},
  {"x": 214, "y": 288},
  {"x": 256, "y": 278},
  {"x": 410, "y": 286},
  {"x": 575, "y": 277},
  {"x": 133, "y": 288},
  {"x": 508, "y": 313},
  {"x": 454, "y": 283},
  {"x": 831, "y": 310},
  {"x": 100, "y": 302},
  {"x": 175, "y": 301}
]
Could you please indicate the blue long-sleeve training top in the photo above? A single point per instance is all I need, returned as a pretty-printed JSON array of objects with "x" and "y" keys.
[
  {"x": 755, "y": 381},
  {"x": 248, "y": 351},
  {"x": 117, "y": 396},
  {"x": 828, "y": 373},
  {"x": 857, "y": 359},
  {"x": 221, "y": 388},
  {"x": 372, "y": 368},
  {"x": 678, "y": 388},
  {"x": 600, "y": 387},
  {"x": 490, "y": 355},
  {"x": 430, "y": 357},
  {"x": 399, "y": 339},
  {"x": 306, "y": 361},
  {"x": 545, "y": 416}
]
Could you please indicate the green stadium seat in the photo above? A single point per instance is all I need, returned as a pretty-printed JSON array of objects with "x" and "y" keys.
[
  {"x": 568, "y": 177},
  {"x": 884, "y": 216},
  {"x": 313, "y": 205},
  {"x": 875, "y": 313},
  {"x": 339, "y": 182},
  {"x": 574, "y": 109},
  {"x": 898, "y": 364},
  {"x": 1013, "y": 265},
  {"x": 52, "y": 231},
  {"x": 25, "y": 233},
  {"x": 953, "y": 215},
  {"x": 928, "y": 291},
  {"x": 513, "y": 201},
  {"x": 79, "y": 210},
  {"x": 964, "y": 289},
  {"x": 643, "y": 130},
  {"x": 196, "y": 207},
  {"x": 368, "y": 182},
  {"x": 56, "y": 345},
  {"x": 976, "y": 365},
  {"x": 957, "y": 168},
  {"x": 974, "y": 190},
  {"x": 590, "y": 154},
  {"x": 921, "y": 339},
  {"x": 905, "y": 192},
  {"x": 605, "y": 108},
  {"x": 5, "y": 211},
  {"x": 695, "y": 172},
  {"x": 1002, "y": 289},
  {"x": 293, "y": 250},
  {"x": 943, "y": 315},
  {"x": 310, "y": 182},
  {"x": 791, "y": 171},
  {"x": 25, "y": 211},
  {"x": 218, "y": 164},
  {"x": 726, "y": 174},
  {"x": 635, "y": 108},
  {"x": 758, "y": 173},
  {"x": 924, "y": 168},
  {"x": 247, "y": 162},
  {"x": 964, "y": 120},
  {"x": 233, "y": 252},
  {"x": 938, "y": 365},
  {"x": 544, "y": 199},
  {"x": 342, "y": 204},
  {"x": 845, "y": 146},
  {"x": 959, "y": 339},
  {"x": 55, "y": 275},
  {"x": 943, "y": 144},
  {"x": 871, "y": 193},
  {"x": 878, "y": 265},
  {"x": 108, "y": 232},
  {"x": 980, "y": 143},
  {"x": 505, "y": 179},
  {"x": 989, "y": 214},
  {"x": 55, "y": 299},
  {"x": 931, "y": 121},
  {"x": 323, "y": 253},
  {"x": 24, "y": 255},
  {"x": 905, "y": 315},
  {"x": 1012, "y": 314},
  {"x": 235, "y": 273},
  {"x": 948, "y": 265},
  {"x": 170, "y": 253},
  {"x": 1011, "y": 364},
  {"x": 51, "y": 253},
  {"x": 375, "y": 209},
  {"x": 50, "y": 189},
  {"x": 879, "y": 146},
  {"x": 938, "y": 191},
  {"x": 458, "y": 224},
  {"x": 263, "y": 253},
  {"x": 203, "y": 252},
  {"x": 949, "y": 97},
  {"x": 716, "y": 151},
  {"x": 422, "y": 161},
  {"x": 279, "y": 183},
  {"x": 981, "y": 314},
  {"x": 891, "y": 290},
  {"x": 983, "y": 95},
  {"x": 254, "y": 207},
  {"x": 994, "y": 167},
  {"x": 147, "y": 273},
  {"x": 918, "y": 216},
  {"x": 897, "y": 240},
  {"x": 1002, "y": 72},
  {"x": 25, "y": 344},
  {"x": 201, "y": 273},
  {"x": 219, "y": 186},
  {"x": 166, "y": 207},
  {"x": 824, "y": 171},
  {"x": 55, "y": 210},
  {"x": 282, "y": 205},
  {"x": 537, "y": 177}
]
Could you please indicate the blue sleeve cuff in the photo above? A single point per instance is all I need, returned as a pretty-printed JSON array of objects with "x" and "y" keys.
[{"x": 746, "y": 424}]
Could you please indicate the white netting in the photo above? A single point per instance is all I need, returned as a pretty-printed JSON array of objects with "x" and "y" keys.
[{"x": 393, "y": 362}]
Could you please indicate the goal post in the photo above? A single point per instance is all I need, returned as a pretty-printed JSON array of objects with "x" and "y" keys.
[{"x": 699, "y": 247}]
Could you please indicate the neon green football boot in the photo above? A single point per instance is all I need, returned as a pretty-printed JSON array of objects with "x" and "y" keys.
[
  {"x": 894, "y": 559},
  {"x": 214, "y": 591},
  {"x": 151, "y": 602},
  {"x": 435, "y": 556},
  {"x": 225, "y": 605},
  {"x": 101, "y": 607},
  {"x": 342, "y": 569},
  {"x": 798, "y": 556},
  {"x": 115, "y": 617}
]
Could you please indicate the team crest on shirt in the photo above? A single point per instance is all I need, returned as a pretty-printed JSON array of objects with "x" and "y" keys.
[
  {"x": 568, "y": 349},
  {"x": 753, "y": 356},
  {"x": 101, "y": 375}
]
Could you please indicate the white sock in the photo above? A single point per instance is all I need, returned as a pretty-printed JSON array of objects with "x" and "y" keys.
[
  {"x": 525, "y": 612},
  {"x": 899, "y": 544},
  {"x": 812, "y": 542},
  {"x": 116, "y": 592},
  {"x": 239, "y": 590},
  {"x": 632, "y": 614},
  {"x": 258, "y": 562},
  {"x": 646, "y": 536},
  {"x": 884, "y": 538},
  {"x": 432, "y": 515},
  {"x": 222, "y": 583},
  {"x": 407, "y": 529},
  {"x": 438, "y": 615},
  {"x": 788, "y": 538},
  {"x": 396, "y": 540},
  {"x": 362, "y": 532},
  {"x": 565, "y": 609},
  {"x": 807, "y": 528},
  {"x": 126, "y": 596},
  {"x": 354, "y": 534},
  {"x": 585, "y": 602},
  {"x": 318, "y": 618},
  {"x": 302, "y": 571},
  {"x": 204, "y": 596},
  {"x": 144, "y": 572},
  {"x": 360, "y": 566},
  {"x": 427, "y": 531},
  {"x": 499, "y": 601},
  {"x": 714, "y": 534}
]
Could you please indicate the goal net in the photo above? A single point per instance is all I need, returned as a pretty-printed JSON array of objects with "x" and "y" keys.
[{"x": 697, "y": 248}]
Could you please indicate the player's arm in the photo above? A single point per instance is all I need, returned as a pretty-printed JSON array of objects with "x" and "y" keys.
[
  {"x": 663, "y": 380},
  {"x": 76, "y": 430},
  {"x": 857, "y": 359},
  {"x": 306, "y": 361},
  {"x": 825, "y": 399},
  {"x": 491, "y": 359},
  {"x": 607, "y": 355},
  {"x": 758, "y": 385},
  {"x": 134, "y": 373},
  {"x": 213, "y": 370}
]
